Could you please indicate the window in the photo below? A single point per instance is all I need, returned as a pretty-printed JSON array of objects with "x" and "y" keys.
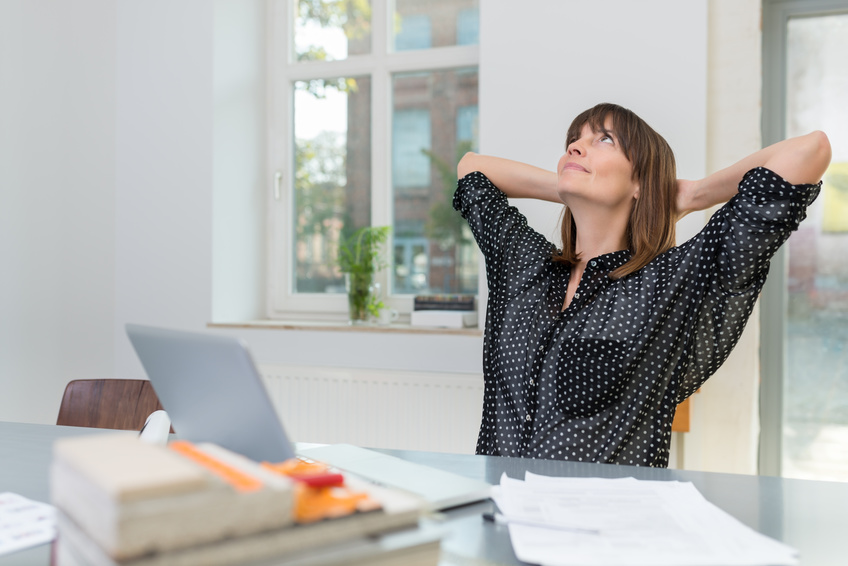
[{"x": 372, "y": 104}]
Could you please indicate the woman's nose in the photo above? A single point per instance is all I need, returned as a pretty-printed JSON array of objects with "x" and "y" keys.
[{"x": 574, "y": 148}]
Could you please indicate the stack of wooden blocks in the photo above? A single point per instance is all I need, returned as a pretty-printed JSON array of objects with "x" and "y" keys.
[{"x": 121, "y": 501}]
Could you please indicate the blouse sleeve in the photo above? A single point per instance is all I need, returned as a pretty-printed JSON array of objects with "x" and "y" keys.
[
  {"x": 729, "y": 260},
  {"x": 514, "y": 252}
]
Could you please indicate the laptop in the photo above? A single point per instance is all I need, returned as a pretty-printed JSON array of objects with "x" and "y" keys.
[{"x": 210, "y": 388}]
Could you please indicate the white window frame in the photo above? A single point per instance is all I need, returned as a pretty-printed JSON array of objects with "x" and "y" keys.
[{"x": 283, "y": 70}]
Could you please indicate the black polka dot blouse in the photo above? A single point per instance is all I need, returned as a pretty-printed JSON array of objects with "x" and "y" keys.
[{"x": 600, "y": 380}]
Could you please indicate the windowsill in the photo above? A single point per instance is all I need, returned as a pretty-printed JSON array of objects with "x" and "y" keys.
[{"x": 345, "y": 327}]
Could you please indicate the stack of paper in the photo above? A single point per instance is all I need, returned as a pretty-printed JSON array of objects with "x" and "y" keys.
[
  {"x": 24, "y": 522},
  {"x": 592, "y": 521}
]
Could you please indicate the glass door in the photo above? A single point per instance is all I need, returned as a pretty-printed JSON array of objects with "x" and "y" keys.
[
  {"x": 804, "y": 312},
  {"x": 815, "y": 415}
]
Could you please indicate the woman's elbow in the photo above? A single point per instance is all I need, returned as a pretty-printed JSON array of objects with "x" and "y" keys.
[
  {"x": 819, "y": 152},
  {"x": 466, "y": 165},
  {"x": 804, "y": 159}
]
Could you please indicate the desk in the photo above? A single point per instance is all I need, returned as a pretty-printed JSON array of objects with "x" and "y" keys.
[{"x": 811, "y": 516}]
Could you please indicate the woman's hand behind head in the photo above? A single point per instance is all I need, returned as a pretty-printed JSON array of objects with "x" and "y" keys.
[{"x": 686, "y": 198}]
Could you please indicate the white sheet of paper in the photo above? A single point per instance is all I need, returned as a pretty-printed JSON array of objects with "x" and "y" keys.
[
  {"x": 634, "y": 522},
  {"x": 24, "y": 522}
]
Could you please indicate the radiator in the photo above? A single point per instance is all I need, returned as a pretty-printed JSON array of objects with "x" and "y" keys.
[{"x": 406, "y": 410}]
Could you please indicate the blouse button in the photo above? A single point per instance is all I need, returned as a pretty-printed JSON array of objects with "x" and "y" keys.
[
  {"x": 576, "y": 295},
  {"x": 593, "y": 263},
  {"x": 542, "y": 348},
  {"x": 532, "y": 382},
  {"x": 527, "y": 418}
]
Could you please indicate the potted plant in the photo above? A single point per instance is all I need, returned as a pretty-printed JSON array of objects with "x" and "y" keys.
[{"x": 361, "y": 256}]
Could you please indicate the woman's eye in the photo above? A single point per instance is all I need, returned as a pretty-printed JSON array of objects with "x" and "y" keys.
[{"x": 606, "y": 138}]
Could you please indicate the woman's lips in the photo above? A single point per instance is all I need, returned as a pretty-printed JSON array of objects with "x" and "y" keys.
[{"x": 575, "y": 167}]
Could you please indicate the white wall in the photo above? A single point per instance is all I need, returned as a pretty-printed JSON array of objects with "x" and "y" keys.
[
  {"x": 164, "y": 168},
  {"x": 130, "y": 183},
  {"x": 57, "y": 200},
  {"x": 238, "y": 207},
  {"x": 725, "y": 419},
  {"x": 545, "y": 62}
]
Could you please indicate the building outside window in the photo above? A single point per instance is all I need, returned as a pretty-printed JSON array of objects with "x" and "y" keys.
[{"x": 372, "y": 104}]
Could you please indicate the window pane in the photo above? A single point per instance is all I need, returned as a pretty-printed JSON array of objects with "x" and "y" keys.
[
  {"x": 332, "y": 130},
  {"x": 434, "y": 122},
  {"x": 436, "y": 23},
  {"x": 468, "y": 27},
  {"x": 330, "y": 30},
  {"x": 816, "y": 399},
  {"x": 410, "y": 138}
]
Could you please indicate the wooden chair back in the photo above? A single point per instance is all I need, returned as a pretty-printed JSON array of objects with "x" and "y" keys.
[
  {"x": 122, "y": 404},
  {"x": 681, "y": 422}
]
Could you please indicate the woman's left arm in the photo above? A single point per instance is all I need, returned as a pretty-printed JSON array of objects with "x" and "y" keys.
[{"x": 799, "y": 160}]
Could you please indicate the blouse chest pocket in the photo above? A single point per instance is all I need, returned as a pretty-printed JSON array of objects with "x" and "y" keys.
[{"x": 590, "y": 374}]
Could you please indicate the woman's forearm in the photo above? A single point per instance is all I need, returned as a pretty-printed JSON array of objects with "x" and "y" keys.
[
  {"x": 515, "y": 179},
  {"x": 799, "y": 160}
]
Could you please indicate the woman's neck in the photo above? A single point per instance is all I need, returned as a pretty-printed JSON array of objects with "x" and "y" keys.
[{"x": 599, "y": 233}]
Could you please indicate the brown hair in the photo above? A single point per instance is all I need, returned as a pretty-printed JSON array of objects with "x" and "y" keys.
[{"x": 650, "y": 230}]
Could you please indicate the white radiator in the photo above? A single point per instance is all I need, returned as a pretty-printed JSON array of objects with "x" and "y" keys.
[{"x": 437, "y": 412}]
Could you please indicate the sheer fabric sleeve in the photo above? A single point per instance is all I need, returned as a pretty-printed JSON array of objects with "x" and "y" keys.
[
  {"x": 514, "y": 252},
  {"x": 733, "y": 253}
]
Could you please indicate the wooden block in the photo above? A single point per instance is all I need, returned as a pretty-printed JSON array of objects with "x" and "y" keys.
[
  {"x": 412, "y": 546},
  {"x": 134, "y": 498},
  {"x": 128, "y": 469}
]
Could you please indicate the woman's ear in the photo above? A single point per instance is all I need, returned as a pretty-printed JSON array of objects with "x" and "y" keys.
[{"x": 636, "y": 192}]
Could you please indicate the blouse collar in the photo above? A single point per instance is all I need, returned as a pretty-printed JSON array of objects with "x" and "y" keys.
[{"x": 608, "y": 262}]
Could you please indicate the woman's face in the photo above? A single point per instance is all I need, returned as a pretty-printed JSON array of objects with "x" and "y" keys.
[{"x": 595, "y": 170}]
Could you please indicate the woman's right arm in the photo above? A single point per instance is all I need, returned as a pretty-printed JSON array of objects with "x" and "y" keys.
[
  {"x": 514, "y": 179},
  {"x": 514, "y": 252},
  {"x": 799, "y": 160}
]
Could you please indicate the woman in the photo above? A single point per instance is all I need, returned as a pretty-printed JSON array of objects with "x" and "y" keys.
[{"x": 589, "y": 350}]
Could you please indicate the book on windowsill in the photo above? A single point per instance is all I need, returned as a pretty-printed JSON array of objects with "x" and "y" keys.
[
  {"x": 444, "y": 318},
  {"x": 444, "y": 302},
  {"x": 123, "y": 502}
]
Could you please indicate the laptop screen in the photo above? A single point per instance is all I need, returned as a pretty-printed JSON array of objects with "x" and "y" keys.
[{"x": 212, "y": 391}]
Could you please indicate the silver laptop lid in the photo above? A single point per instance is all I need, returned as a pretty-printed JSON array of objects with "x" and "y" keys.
[{"x": 212, "y": 391}]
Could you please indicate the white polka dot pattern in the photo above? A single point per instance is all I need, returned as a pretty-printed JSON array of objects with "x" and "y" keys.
[{"x": 601, "y": 380}]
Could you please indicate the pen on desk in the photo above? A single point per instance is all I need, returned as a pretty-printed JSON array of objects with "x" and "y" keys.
[{"x": 504, "y": 520}]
